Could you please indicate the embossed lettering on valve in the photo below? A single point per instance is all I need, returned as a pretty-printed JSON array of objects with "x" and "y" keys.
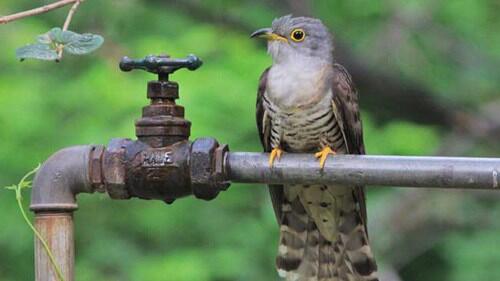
[{"x": 157, "y": 158}]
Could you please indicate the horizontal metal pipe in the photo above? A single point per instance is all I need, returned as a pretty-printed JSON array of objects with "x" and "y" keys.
[{"x": 409, "y": 171}]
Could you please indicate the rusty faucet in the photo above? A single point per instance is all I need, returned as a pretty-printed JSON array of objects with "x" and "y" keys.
[{"x": 161, "y": 164}]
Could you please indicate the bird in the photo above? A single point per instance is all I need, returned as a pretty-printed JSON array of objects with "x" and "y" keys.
[{"x": 308, "y": 103}]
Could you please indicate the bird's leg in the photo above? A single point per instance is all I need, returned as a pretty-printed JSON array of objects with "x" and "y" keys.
[
  {"x": 275, "y": 153},
  {"x": 323, "y": 154}
]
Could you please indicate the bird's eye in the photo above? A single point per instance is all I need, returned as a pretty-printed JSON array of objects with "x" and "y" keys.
[{"x": 298, "y": 35}]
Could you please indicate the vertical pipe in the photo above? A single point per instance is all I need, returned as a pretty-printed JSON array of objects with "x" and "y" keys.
[
  {"x": 57, "y": 230},
  {"x": 53, "y": 199}
]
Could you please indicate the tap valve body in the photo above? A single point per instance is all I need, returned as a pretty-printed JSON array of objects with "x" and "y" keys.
[{"x": 162, "y": 164}]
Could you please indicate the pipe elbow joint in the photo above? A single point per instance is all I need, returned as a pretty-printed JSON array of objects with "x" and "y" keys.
[{"x": 61, "y": 177}]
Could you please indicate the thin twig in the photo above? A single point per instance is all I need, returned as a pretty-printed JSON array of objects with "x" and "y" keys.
[
  {"x": 36, "y": 11},
  {"x": 70, "y": 14},
  {"x": 66, "y": 25}
]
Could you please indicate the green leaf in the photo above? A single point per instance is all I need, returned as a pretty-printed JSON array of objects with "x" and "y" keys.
[
  {"x": 36, "y": 51},
  {"x": 72, "y": 42},
  {"x": 81, "y": 44},
  {"x": 25, "y": 184},
  {"x": 65, "y": 37},
  {"x": 55, "y": 34},
  {"x": 11, "y": 187},
  {"x": 44, "y": 38}
]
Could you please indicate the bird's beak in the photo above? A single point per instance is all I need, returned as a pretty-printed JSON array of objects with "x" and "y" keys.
[{"x": 268, "y": 34}]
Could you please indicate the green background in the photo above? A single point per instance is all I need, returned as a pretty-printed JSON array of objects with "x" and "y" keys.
[{"x": 449, "y": 49}]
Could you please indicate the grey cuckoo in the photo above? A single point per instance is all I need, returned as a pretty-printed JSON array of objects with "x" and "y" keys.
[{"x": 307, "y": 103}]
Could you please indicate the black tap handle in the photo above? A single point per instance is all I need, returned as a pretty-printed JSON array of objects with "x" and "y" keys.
[{"x": 161, "y": 65}]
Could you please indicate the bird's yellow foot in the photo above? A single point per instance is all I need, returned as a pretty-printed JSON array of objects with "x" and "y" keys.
[
  {"x": 323, "y": 154},
  {"x": 275, "y": 153}
]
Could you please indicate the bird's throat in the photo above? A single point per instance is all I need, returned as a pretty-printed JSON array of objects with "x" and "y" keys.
[{"x": 298, "y": 84}]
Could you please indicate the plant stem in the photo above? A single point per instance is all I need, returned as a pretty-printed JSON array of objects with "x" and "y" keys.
[
  {"x": 70, "y": 14},
  {"x": 44, "y": 243},
  {"x": 36, "y": 11},
  {"x": 69, "y": 17},
  {"x": 19, "y": 199}
]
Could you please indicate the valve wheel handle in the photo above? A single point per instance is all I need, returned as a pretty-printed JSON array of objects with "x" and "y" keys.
[{"x": 162, "y": 65}]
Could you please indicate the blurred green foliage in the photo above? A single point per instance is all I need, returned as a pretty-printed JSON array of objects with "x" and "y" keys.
[{"x": 48, "y": 106}]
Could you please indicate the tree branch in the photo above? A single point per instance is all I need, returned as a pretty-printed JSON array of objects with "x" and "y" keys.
[{"x": 36, "y": 11}]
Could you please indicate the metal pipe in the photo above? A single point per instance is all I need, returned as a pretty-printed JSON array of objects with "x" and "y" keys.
[
  {"x": 59, "y": 180},
  {"x": 410, "y": 171}
]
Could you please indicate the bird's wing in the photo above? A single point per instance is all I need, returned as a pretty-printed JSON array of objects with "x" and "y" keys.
[
  {"x": 345, "y": 99},
  {"x": 264, "y": 127},
  {"x": 262, "y": 118}
]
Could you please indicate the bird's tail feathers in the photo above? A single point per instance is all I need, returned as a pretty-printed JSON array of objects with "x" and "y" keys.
[{"x": 305, "y": 255}]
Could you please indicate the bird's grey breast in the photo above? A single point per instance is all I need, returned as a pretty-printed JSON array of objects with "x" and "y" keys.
[
  {"x": 298, "y": 83},
  {"x": 298, "y": 100}
]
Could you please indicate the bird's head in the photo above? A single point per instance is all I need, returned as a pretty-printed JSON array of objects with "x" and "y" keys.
[{"x": 291, "y": 38}]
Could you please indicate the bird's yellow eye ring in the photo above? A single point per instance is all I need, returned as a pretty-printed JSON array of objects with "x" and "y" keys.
[{"x": 298, "y": 35}]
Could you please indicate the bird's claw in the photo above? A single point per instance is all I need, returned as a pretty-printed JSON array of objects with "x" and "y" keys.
[
  {"x": 323, "y": 154},
  {"x": 275, "y": 153}
]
